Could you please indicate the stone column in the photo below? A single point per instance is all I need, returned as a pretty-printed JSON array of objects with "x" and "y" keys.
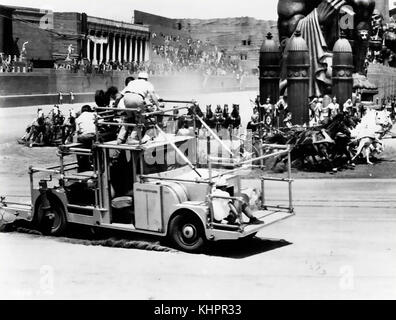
[
  {"x": 95, "y": 52},
  {"x": 119, "y": 49},
  {"x": 136, "y": 50},
  {"x": 100, "y": 52},
  {"x": 141, "y": 51},
  {"x": 298, "y": 79},
  {"x": 269, "y": 71},
  {"x": 342, "y": 71},
  {"x": 88, "y": 49},
  {"x": 130, "y": 49},
  {"x": 108, "y": 49},
  {"x": 114, "y": 47},
  {"x": 125, "y": 49},
  {"x": 147, "y": 55}
]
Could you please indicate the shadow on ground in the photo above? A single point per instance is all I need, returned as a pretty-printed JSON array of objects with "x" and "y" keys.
[
  {"x": 244, "y": 248},
  {"x": 87, "y": 236}
]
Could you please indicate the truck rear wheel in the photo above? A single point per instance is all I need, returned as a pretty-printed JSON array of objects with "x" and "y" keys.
[
  {"x": 186, "y": 233},
  {"x": 54, "y": 221}
]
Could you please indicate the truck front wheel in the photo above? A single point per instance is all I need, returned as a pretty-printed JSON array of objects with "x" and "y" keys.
[{"x": 186, "y": 233}]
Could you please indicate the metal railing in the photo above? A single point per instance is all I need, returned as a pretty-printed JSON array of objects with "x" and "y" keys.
[{"x": 246, "y": 164}]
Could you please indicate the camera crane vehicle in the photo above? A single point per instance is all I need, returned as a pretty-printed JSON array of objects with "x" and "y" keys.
[{"x": 138, "y": 193}]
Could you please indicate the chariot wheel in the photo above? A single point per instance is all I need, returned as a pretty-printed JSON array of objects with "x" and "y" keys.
[{"x": 186, "y": 233}]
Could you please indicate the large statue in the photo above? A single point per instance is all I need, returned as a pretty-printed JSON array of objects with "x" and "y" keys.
[
  {"x": 69, "y": 52},
  {"x": 319, "y": 25},
  {"x": 23, "y": 51}
]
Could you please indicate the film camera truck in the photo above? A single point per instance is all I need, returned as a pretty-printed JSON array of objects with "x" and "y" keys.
[{"x": 173, "y": 200}]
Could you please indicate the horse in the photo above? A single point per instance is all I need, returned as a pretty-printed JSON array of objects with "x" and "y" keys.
[
  {"x": 195, "y": 110},
  {"x": 226, "y": 117},
  {"x": 368, "y": 134},
  {"x": 235, "y": 117},
  {"x": 308, "y": 144},
  {"x": 53, "y": 124},
  {"x": 69, "y": 127},
  {"x": 218, "y": 117},
  {"x": 209, "y": 117},
  {"x": 339, "y": 129}
]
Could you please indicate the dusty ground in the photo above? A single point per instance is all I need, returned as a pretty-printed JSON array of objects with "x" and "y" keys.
[{"x": 340, "y": 245}]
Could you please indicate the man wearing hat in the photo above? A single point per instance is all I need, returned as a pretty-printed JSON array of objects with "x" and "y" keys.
[{"x": 136, "y": 95}]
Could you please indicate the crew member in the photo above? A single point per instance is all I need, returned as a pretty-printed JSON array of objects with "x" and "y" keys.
[
  {"x": 225, "y": 210},
  {"x": 86, "y": 129},
  {"x": 136, "y": 96}
]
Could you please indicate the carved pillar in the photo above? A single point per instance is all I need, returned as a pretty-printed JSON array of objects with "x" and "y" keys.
[
  {"x": 298, "y": 79},
  {"x": 342, "y": 71},
  {"x": 269, "y": 70}
]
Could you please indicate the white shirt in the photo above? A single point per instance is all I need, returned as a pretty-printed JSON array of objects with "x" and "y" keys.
[
  {"x": 221, "y": 207},
  {"x": 86, "y": 123},
  {"x": 139, "y": 86}
]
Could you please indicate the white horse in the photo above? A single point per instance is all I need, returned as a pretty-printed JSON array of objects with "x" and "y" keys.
[{"x": 369, "y": 132}]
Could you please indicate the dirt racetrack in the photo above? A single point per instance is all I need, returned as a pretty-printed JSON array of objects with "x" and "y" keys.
[{"x": 340, "y": 245}]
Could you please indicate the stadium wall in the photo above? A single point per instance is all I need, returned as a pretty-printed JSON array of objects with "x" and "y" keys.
[{"x": 23, "y": 89}]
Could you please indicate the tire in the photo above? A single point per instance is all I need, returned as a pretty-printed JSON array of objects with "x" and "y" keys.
[
  {"x": 186, "y": 233},
  {"x": 58, "y": 225}
]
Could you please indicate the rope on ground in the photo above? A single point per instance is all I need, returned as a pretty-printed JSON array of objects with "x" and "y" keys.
[{"x": 111, "y": 242}]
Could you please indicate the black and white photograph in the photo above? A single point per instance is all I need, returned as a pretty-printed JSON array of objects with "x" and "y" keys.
[{"x": 211, "y": 150}]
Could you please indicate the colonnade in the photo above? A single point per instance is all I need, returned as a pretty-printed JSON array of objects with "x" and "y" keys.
[{"x": 106, "y": 47}]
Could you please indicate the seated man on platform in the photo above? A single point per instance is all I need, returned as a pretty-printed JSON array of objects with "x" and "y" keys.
[
  {"x": 225, "y": 210},
  {"x": 86, "y": 131}
]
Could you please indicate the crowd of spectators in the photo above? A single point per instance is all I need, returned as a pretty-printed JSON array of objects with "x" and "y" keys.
[
  {"x": 87, "y": 66},
  {"x": 174, "y": 56},
  {"x": 14, "y": 64}
]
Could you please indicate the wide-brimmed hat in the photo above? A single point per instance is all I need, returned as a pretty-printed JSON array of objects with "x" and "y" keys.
[{"x": 143, "y": 75}]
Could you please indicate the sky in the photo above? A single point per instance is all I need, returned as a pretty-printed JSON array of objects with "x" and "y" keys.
[{"x": 123, "y": 9}]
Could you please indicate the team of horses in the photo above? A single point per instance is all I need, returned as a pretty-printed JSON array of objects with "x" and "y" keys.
[
  {"x": 50, "y": 130},
  {"x": 336, "y": 144}
]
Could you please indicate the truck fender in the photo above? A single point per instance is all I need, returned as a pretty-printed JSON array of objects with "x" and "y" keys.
[{"x": 190, "y": 211}]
